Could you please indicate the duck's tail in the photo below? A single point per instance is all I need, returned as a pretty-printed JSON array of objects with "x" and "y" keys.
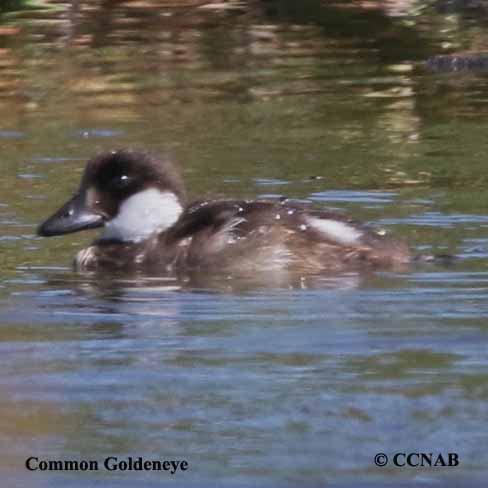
[{"x": 442, "y": 259}]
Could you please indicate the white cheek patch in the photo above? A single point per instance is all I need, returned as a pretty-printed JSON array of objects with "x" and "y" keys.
[
  {"x": 143, "y": 214},
  {"x": 336, "y": 230}
]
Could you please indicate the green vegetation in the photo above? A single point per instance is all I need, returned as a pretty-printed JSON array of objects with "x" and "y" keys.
[{"x": 12, "y": 5}]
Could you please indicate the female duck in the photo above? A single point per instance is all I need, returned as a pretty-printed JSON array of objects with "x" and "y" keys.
[{"x": 139, "y": 202}]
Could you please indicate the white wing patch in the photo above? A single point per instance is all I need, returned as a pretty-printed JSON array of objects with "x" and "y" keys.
[
  {"x": 143, "y": 214},
  {"x": 225, "y": 234},
  {"x": 336, "y": 230},
  {"x": 84, "y": 258}
]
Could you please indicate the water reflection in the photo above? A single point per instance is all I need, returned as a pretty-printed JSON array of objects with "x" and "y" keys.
[
  {"x": 262, "y": 49},
  {"x": 253, "y": 381},
  {"x": 304, "y": 365}
]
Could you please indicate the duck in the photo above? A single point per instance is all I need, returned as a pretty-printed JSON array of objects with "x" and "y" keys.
[{"x": 138, "y": 201}]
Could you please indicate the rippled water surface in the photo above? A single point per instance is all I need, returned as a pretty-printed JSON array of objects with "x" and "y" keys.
[{"x": 255, "y": 382}]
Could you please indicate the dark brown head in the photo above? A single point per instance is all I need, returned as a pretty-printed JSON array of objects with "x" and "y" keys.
[{"x": 131, "y": 194}]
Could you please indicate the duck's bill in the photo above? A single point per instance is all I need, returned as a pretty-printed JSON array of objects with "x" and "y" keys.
[{"x": 73, "y": 216}]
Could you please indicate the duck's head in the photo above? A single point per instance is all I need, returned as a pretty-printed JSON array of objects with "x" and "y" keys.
[{"x": 130, "y": 194}]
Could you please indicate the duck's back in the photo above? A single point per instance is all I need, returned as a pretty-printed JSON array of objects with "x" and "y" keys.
[{"x": 261, "y": 235}]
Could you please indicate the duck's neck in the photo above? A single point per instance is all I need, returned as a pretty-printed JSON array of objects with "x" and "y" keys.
[{"x": 143, "y": 214}]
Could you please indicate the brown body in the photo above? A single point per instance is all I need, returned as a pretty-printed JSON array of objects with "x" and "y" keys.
[
  {"x": 139, "y": 202},
  {"x": 247, "y": 237}
]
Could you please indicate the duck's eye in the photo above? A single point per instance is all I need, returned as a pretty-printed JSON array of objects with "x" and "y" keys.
[{"x": 120, "y": 182}]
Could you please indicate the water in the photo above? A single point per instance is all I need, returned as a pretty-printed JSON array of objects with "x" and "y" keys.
[{"x": 252, "y": 382}]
